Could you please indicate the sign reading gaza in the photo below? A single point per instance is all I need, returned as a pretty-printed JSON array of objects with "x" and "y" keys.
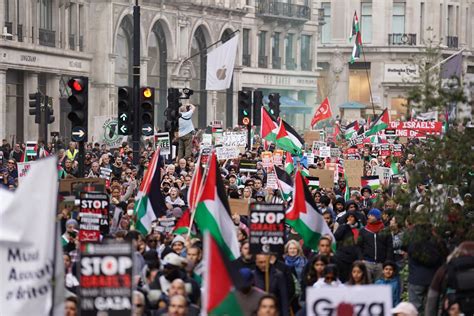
[
  {"x": 267, "y": 228},
  {"x": 106, "y": 279}
]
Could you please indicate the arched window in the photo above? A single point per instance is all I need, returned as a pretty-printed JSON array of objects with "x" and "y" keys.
[
  {"x": 198, "y": 84},
  {"x": 158, "y": 71},
  {"x": 123, "y": 51}
]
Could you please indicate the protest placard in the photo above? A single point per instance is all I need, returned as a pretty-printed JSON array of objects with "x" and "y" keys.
[
  {"x": 353, "y": 170},
  {"x": 272, "y": 180},
  {"x": 239, "y": 206},
  {"x": 324, "y": 151},
  {"x": 73, "y": 186},
  {"x": 311, "y": 136},
  {"x": 248, "y": 166},
  {"x": 106, "y": 279},
  {"x": 335, "y": 152},
  {"x": 278, "y": 157},
  {"x": 334, "y": 168},
  {"x": 267, "y": 228},
  {"x": 234, "y": 139},
  {"x": 106, "y": 173},
  {"x": 217, "y": 135},
  {"x": 224, "y": 153},
  {"x": 162, "y": 140},
  {"x": 365, "y": 300},
  {"x": 205, "y": 153},
  {"x": 94, "y": 216},
  {"x": 326, "y": 177},
  {"x": 23, "y": 168},
  {"x": 397, "y": 150},
  {"x": 384, "y": 149},
  {"x": 165, "y": 225},
  {"x": 384, "y": 174},
  {"x": 310, "y": 158},
  {"x": 267, "y": 159},
  {"x": 206, "y": 140}
]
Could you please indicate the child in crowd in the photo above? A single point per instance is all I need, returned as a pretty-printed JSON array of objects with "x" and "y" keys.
[{"x": 390, "y": 277}]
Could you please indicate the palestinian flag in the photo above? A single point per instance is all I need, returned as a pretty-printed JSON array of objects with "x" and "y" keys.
[
  {"x": 149, "y": 203},
  {"x": 195, "y": 185},
  {"x": 371, "y": 181},
  {"x": 288, "y": 139},
  {"x": 269, "y": 126},
  {"x": 361, "y": 130},
  {"x": 337, "y": 132},
  {"x": 313, "y": 182},
  {"x": 285, "y": 183},
  {"x": 394, "y": 167},
  {"x": 356, "y": 49},
  {"x": 347, "y": 191},
  {"x": 351, "y": 130},
  {"x": 221, "y": 281},
  {"x": 183, "y": 224},
  {"x": 289, "y": 164},
  {"x": 304, "y": 217},
  {"x": 380, "y": 123},
  {"x": 213, "y": 212},
  {"x": 355, "y": 26}
]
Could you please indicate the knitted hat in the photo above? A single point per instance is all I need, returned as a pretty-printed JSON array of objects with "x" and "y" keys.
[
  {"x": 72, "y": 221},
  {"x": 376, "y": 213},
  {"x": 178, "y": 238}
]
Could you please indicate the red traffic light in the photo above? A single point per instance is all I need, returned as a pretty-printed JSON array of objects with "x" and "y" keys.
[{"x": 76, "y": 85}]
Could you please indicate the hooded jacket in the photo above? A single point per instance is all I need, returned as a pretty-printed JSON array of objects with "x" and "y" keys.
[{"x": 375, "y": 243}]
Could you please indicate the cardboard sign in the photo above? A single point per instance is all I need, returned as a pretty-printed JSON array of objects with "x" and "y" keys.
[
  {"x": 106, "y": 279},
  {"x": 162, "y": 141},
  {"x": 324, "y": 151},
  {"x": 94, "y": 216},
  {"x": 365, "y": 300},
  {"x": 334, "y": 168},
  {"x": 311, "y": 136},
  {"x": 239, "y": 206},
  {"x": 248, "y": 166},
  {"x": 267, "y": 228},
  {"x": 267, "y": 159},
  {"x": 234, "y": 139},
  {"x": 326, "y": 177},
  {"x": 73, "y": 186},
  {"x": 354, "y": 170},
  {"x": 278, "y": 157},
  {"x": 165, "y": 225},
  {"x": 224, "y": 153}
]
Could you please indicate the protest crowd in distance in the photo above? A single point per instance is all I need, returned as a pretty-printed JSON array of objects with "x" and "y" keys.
[{"x": 293, "y": 225}]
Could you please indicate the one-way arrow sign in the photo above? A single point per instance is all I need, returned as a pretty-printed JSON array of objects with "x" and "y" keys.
[
  {"x": 147, "y": 130},
  {"x": 124, "y": 129},
  {"x": 78, "y": 134},
  {"x": 123, "y": 117}
]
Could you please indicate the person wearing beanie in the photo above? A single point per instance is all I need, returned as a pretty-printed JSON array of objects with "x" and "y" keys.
[
  {"x": 178, "y": 245},
  {"x": 248, "y": 295},
  {"x": 71, "y": 232},
  {"x": 353, "y": 208},
  {"x": 375, "y": 244}
]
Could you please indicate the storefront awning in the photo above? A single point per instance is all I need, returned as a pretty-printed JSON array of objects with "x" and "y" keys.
[
  {"x": 352, "y": 105},
  {"x": 292, "y": 106}
]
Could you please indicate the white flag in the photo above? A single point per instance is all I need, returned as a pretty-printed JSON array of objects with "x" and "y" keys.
[
  {"x": 27, "y": 245},
  {"x": 220, "y": 65}
]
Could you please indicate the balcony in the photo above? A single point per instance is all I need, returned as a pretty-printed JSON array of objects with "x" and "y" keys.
[
  {"x": 19, "y": 32},
  {"x": 452, "y": 41},
  {"x": 401, "y": 39},
  {"x": 47, "y": 37},
  {"x": 306, "y": 64},
  {"x": 246, "y": 60},
  {"x": 276, "y": 62},
  {"x": 290, "y": 63},
  {"x": 275, "y": 10},
  {"x": 72, "y": 41},
  {"x": 262, "y": 61}
]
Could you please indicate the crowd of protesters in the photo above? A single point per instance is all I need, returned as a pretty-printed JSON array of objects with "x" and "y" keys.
[{"x": 378, "y": 240}]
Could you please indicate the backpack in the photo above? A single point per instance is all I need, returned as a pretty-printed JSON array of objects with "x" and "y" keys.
[{"x": 461, "y": 282}]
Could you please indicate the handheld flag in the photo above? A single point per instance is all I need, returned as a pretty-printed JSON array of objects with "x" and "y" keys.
[
  {"x": 285, "y": 183},
  {"x": 288, "y": 139},
  {"x": 351, "y": 129},
  {"x": 195, "y": 185},
  {"x": 269, "y": 126},
  {"x": 212, "y": 212},
  {"x": 289, "y": 164},
  {"x": 182, "y": 225},
  {"x": 322, "y": 113},
  {"x": 371, "y": 181},
  {"x": 150, "y": 203},
  {"x": 304, "y": 217},
  {"x": 380, "y": 123},
  {"x": 220, "y": 65}
]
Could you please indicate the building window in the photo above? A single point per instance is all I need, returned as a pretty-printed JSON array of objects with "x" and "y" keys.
[
  {"x": 290, "y": 60},
  {"x": 358, "y": 83},
  {"x": 366, "y": 22},
  {"x": 45, "y": 13},
  {"x": 246, "y": 47},
  {"x": 9, "y": 11},
  {"x": 72, "y": 26},
  {"x": 305, "y": 52},
  {"x": 326, "y": 29},
  {"x": 262, "y": 57},
  {"x": 398, "y": 18},
  {"x": 422, "y": 22},
  {"x": 276, "y": 60},
  {"x": 451, "y": 21}
]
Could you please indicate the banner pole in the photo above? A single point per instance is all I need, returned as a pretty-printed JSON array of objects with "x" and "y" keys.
[{"x": 267, "y": 274}]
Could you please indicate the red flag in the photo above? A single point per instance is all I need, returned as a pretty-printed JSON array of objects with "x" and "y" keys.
[
  {"x": 322, "y": 113},
  {"x": 183, "y": 224},
  {"x": 195, "y": 185}
]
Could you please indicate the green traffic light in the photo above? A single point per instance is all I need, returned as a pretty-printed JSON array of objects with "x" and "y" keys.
[
  {"x": 272, "y": 112},
  {"x": 245, "y": 112}
]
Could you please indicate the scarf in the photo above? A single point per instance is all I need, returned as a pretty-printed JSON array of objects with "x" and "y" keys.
[
  {"x": 375, "y": 227},
  {"x": 298, "y": 262}
]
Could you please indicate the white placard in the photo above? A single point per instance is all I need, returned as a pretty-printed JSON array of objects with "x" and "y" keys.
[
  {"x": 272, "y": 180},
  {"x": 234, "y": 139},
  {"x": 324, "y": 151},
  {"x": 366, "y": 300},
  {"x": 23, "y": 168},
  {"x": 224, "y": 153},
  {"x": 162, "y": 140},
  {"x": 206, "y": 139}
]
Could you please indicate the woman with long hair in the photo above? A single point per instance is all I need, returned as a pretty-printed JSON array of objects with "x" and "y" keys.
[
  {"x": 294, "y": 257},
  {"x": 359, "y": 275}
]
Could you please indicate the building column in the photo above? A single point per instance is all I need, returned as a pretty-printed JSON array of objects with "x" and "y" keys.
[
  {"x": 298, "y": 51},
  {"x": 30, "y": 127},
  {"x": 52, "y": 90},
  {"x": 3, "y": 102}
]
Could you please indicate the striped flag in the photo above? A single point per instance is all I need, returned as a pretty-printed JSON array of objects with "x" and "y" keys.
[
  {"x": 289, "y": 164},
  {"x": 285, "y": 183},
  {"x": 371, "y": 181},
  {"x": 354, "y": 26},
  {"x": 351, "y": 129},
  {"x": 150, "y": 203},
  {"x": 195, "y": 185},
  {"x": 288, "y": 139},
  {"x": 356, "y": 49},
  {"x": 380, "y": 123},
  {"x": 269, "y": 126},
  {"x": 183, "y": 224}
]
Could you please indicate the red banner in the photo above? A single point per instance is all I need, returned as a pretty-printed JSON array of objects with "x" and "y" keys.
[{"x": 416, "y": 128}]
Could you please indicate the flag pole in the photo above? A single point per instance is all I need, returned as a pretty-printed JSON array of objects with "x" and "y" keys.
[
  {"x": 446, "y": 59},
  {"x": 201, "y": 185},
  {"x": 368, "y": 78}
]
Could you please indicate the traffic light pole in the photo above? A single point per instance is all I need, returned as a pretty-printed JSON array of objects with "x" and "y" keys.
[{"x": 136, "y": 83}]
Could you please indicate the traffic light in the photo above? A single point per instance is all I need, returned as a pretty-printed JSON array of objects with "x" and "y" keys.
[
  {"x": 125, "y": 110},
  {"x": 172, "y": 110},
  {"x": 35, "y": 106},
  {"x": 49, "y": 112},
  {"x": 79, "y": 102},
  {"x": 257, "y": 107},
  {"x": 147, "y": 104},
  {"x": 245, "y": 107},
  {"x": 274, "y": 104}
]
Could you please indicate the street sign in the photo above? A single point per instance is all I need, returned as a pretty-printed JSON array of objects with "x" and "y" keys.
[
  {"x": 124, "y": 130},
  {"x": 78, "y": 134},
  {"x": 123, "y": 117},
  {"x": 147, "y": 130}
]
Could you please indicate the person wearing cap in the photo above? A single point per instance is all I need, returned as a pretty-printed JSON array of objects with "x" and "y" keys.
[
  {"x": 375, "y": 243},
  {"x": 366, "y": 203},
  {"x": 260, "y": 197},
  {"x": 405, "y": 309},
  {"x": 248, "y": 295}
]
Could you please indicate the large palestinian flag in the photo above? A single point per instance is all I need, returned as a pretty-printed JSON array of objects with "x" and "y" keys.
[
  {"x": 351, "y": 129},
  {"x": 285, "y": 183},
  {"x": 380, "y": 123},
  {"x": 149, "y": 203},
  {"x": 269, "y": 126},
  {"x": 289, "y": 164},
  {"x": 220, "y": 282},
  {"x": 213, "y": 212},
  {"x": 304, "y": 217},
  {"x": 288, "y": 139}
]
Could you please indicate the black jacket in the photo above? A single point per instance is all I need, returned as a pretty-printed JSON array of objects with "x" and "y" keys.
[
  {"x": 278, "y": 287},
  {"x": 376, "y": 247}
]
